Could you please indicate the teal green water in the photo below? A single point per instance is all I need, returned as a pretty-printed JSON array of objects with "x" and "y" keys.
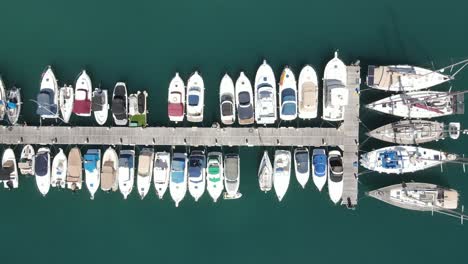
[{"x": 144, "y": 43}]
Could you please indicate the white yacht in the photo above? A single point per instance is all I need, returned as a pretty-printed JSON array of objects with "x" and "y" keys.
[
  {"x": 302, "y": 165},
  {"x": 195, "y": 98},
  {"x": 265, "y": 173},
  {"x": 100, "y": 105},
  {"x": 288, "y": 95},
  {"x": 232, "y": 176},
  {"x": 59, "y": 170},
  {"x": 109, "y": 171},
  {"x": 214, "y": 177},
  {"x": 335, "y": 93},
  {"x": 66, "y": 101},
  {"x": 161, "y": 172},
  {"x": 41, "y": 166},
  {"x": 9, "y": 171},
  {"x": 126, "y": 171},
  {"x": 227, "y": 100},
  {"x": 319, "y": 168},
  {"x": 197, "y": 174},
  {"x": 335, "y": 176},
  {"x": 25, "y": 163},
  {"x": 75, "y": 170},
  {"x": 83, "y": 91},
  {"x": 307, "y": 97},
  {"x": 244, "y": 100},
  {"x": 120, "y": 104},
  {"x": 178, "y": 182},
  {"x": 281, "y": 172},
  {"x": 176, "y": 99},
  {"x": 145, "y": 171},
  {"x": 92, "y": 167},
  {"x": 48, "y": 97},
  {"x": 265, "y": 95}
]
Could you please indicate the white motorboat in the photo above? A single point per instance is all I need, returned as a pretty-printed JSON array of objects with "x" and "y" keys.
[
  {"x": 335, "y": 176},
  {"x": 25, "y": 163},
  {"x": 307, "y": 97},
  {"x": 92, "y": 166},
  {"x": 265, "y": 95},
  {"x": 288, "y": 95},
  {"x": 83, "y": 91},
  {"x": 214, "y": 178},
  {"x": 120, "y": 104},
  {"x": 197, "y": 174},
  {"x": 265, "y": 173},
  {"x": 178, "y": 182},
  {"x": 137, "y": 109},
  {"x": 227, "y": 100},
  {"x": 48, "y": 97},
  {"x": 244, "y": 100},
  {"x": 75, "y": 170},
  {"x": 421, "y": 104},
  {"x": 59, "y": 170},
  {"x": 302, "y": 165},
  {"x": 195, "y": 98},
  {"x": 145, "y": 171},
  {"x": 319, "y": 168},
  {"x": 176, "y": 99},
  {"x": 161, "y": 172},
  {"x": 13, "y": 105},
  {"x": 232, "y": 176},
  {"x": 281, "y": 172},
  {"x": 2, "y": 99},
  {"x": 100, "y": 105},
  {"x": 41, "y": 166},
  {"x": 335, "y": 93},
  {"x": 9, "y": 170},
  {"x": 109, "y": 172},
  {"x": 126, "y": 172},
  {"x": 66, "y": 101}
]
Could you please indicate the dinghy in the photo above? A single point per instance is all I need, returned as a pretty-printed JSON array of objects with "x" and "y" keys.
[
  {"x": 265, "y": 173},
  {"x": 161, "y": 172},
  {"x": 110, "y": 167},
  {"x": 214, "y": 181},
  {"x": 281, "y": 172},
  {"x": 75, "y": 170},
  {"x": 232, "y": 176},
  {"x": 83, "y": 90},
  {"x": 302, "y": 165},
  {"x": 288, "y": 95},
  {"x": 195, "y": 98},
  {"x": 100, "y": 105},
  {"x": 25, "y": 163},
  {"x": 319, "y": 168},
  {"x": 265, "y": 95},
  {"x": 126, "y": 172},
  {"x": 2, "y": 99},
  {"x": 9, "y": 170},
  {"x": 120, "y": 104},
  {"x": 178, "y": 183},
  {"x": 227, "y": 103},
  {"x": 335, "y": 93},
  {"x": 307, "y": 97},
  {"x": 92, "y": 167},
  {"x": 335, "y": 177},
  {"x": 145, "y": 171},
  {"x": 13, "y": 105},
  {"x": 137, "y": 109},
  {"x": 48, "y": 97},
  {"x": 66, "y": 101},
  {"x": 42, "y": 170},
  {"x": 244, "y": 100},
  {"x": 59, "y": 170},
  {"x": 176, "y": 99},
  {"x": 196, "y": 174}
]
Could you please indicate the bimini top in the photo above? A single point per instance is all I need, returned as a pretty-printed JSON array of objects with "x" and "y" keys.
[
  {"x": 336, "y": 167},
  {"x": 90, "y": 162},
  {"x": 227, "y": 105},
  {"x": 302, "y": 160},
  {"x": 196, "y": 164},
  {"x": 320, "y": 164},
  {"x": 119, "y": 107},
  {"x": 288, "y": 97},
  {"x": 45, "y": 101},
  {"x": 41, "y": 164},
  {"x": 99, "y": 100},
  {"x": 245, "y": 110},
  {"x": 177, "y": 172},
  {"x": 390, "y": 159}
]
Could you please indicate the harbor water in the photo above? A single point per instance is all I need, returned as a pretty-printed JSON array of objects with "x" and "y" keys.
[{"x": 144, "y": 43}]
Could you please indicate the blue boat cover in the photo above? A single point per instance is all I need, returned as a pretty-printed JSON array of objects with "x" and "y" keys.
[
  {"x": 193, "y": 100},
  {"x": 302, "y": 160},
  {"x": 288, "y": 95},
  {"x": 244, "y": 98},
  {"x": 11, "y": 105},
  {"x": 320, "y": 165},
  {"x": 195, "y": 167},
  {"x": 389, "y": 159},
  {"x": 289, "y": 108},
  {"x": 41, "y": 164},
  {"x": 45, "y": 103},
  {"x": 177, "y": 171},
  {"x": 129, "y": 159},
  {"x": 90, "y": 163}
]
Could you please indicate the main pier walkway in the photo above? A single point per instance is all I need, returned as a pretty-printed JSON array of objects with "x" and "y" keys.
[{"x": 346, "y": 136}]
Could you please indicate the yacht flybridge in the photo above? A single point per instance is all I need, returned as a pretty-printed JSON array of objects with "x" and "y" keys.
[
  {"x": 335, "y": 93},
  {"x": 265, "y": 95}
]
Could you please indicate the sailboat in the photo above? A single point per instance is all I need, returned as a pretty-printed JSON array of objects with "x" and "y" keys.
[
  {"x": 66, "y": 101},
  {"x": 126, "y": 172},
  {"x": 214, "y": 178},
  {"x": 161, "y": 172},
  {"x": 109, "y": 171},
  {"x": 178, "y": 181},
  {"x": 41, "y": 166},
  {"x": 404, "y": 159},
  {"x": 59, "y": 170},
  {"x": 2, "y": 99},
  {"x": 13, "y": 105},
  {"x": 83, "y": 90},
  {"x": 92, "y": 167},
  {"x": 265, "y": 173},
  {"x": 176, "y": 99},
  {"x": 288, "y": 95},
  {"x": 100, "y": 105},
  {"x": 244, "y": 100},
  {"x": 120, "y": 104},
  {"x": 335, "y": 93},
  {"x": 232, "y": 176},
  {"x": 195, "y": 98},
  {"x": 227, "y": 100},
  {"x": 47, "y": 99},
  {"x": 265, "y": 95},
  {"x": 307, "y": 97},
  {"x": 25, "y": 163},
  {"x": 335, "y": 176},
  {"x": 319, "y": 168},
  {"x": 421, "y": 104},
  {"x": 75, "y": 170},
  {"x": 9, "y": 170},
  {"x": 302, "y": 165},
  {"x": 281, "y": 172},
  {"x": 197, "y": 174},
  {"x": 145, "y": 171}
]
